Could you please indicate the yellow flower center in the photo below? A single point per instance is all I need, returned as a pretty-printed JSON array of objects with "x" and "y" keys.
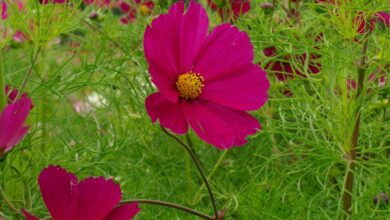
[
  {"x": 144, "y": 9},
  {"x": 190, "y": 85}
]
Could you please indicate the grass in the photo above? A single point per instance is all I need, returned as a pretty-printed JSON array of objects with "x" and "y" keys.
[{"x": 294, "y": 168}]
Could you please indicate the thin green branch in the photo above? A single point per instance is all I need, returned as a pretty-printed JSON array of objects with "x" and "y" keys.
[{"x": 199, "y": 167}]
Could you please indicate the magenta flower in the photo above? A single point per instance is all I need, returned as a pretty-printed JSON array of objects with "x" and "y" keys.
[
  {"x": 4, "y": 14},
  {"x": 238, "y": 7},
  {"x": 12, "y": 121},
  {"x": 94, "y": 198},
  {"x": 384, "y": 18},
  {"x": 205, "y": 81}
]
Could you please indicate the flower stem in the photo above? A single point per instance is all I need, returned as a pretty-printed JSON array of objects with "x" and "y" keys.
[
  {"x": 351, "y": 155},
  {"x": 215, "y": 168},
  {"x": 3, "y": 97},
  {"x": 168, "y": 204},
  {"x": 199, "y": 167}
]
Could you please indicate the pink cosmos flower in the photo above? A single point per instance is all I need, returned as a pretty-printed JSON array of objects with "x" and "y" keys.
[
  {"x": 12, "y": 120},
  {"x": 205, "y": 81},
  {"x": 238, "y": 7},
  {"x": 143, "y": 6},
  {"x": 94, "y": 198}
]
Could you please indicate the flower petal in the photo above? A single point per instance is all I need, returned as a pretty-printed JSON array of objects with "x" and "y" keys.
[
  {"x": 194, "y": 28},
  {"x": 3, "y": 7},
  {"x": 218, "y": 125},
  {"x": 97, "y": 197},
  {"x": 168, "y": 113},
  {"x": 240, "y": 7},
  {"x": 243, "y": 88},
  {"x": 12, "y": 120},
  {"x": 225, "y": 49},
  {"x": 171, "y": 44},
  {"x": 59, "y": 191},
  {"x": 124, "y": 212}
]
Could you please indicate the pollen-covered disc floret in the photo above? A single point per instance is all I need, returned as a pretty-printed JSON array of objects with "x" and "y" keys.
[{"x": 190, "y": 85}]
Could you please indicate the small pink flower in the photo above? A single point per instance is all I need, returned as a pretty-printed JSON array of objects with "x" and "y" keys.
[
  {"x": 94, "y": 198},
  {"x": 12, "y": 121},
  {"x": 206, "y": 81},
  {"x": 19, "y": 37},
  {"x": 238, "y": 7},
  {"x": 4, "y": 14}
]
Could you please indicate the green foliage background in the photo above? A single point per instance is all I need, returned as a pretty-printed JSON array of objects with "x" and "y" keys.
[{"x": 293, "y": 169}]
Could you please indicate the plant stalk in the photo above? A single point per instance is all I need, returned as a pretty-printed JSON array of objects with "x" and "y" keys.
[
  {"x": 170, "y": 205},
  {"x": 351, "y": 155},
  {"x": 199, "y": 167}
]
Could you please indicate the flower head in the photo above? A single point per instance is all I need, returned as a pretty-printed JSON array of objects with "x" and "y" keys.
[
  {"x": 206, "y": 81},
  {"x": 94, "y": 198},
  {"x": 12, "y": 120}
]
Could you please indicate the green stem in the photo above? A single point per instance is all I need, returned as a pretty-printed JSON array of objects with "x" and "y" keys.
[
  {"x": 170, "y": 205},
  {"x": 215, "y": 168},
  {"x": 351, "y": 155},
  {"x": 187, "y": 161},
  {"x": 3, "y": 97},
  {"x": 199, "y": 167}
]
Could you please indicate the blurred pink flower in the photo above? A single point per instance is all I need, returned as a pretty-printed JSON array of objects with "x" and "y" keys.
[
  {"x": 380, "y": 79},
  {"x": 206, "y": 81},
  {"x": 384, "y": 18},
  {"x": 130, "y": 12},
  {"x": 359, "y": 22},
  {"x": 94, "y": 198},
  {"x": 237, "y": 7},
  {"x": 12, "y": 120},
  {"x": 4, "y": 14},
  {"x": 283, "y": 69},
  {"x": 19, "y": 37}
]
